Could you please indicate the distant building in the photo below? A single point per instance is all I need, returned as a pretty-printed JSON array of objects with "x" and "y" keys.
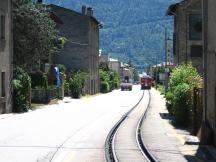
[
  {"x": 127, "y": 73},
  {"x": 115, "y": 65},
  {"x": 103, "y": 57},
  {"x": 187, "y": 37},
  {"x": 209, "y": 67},
  {"x": 6, "y": 50},
  {"x": 81, "y": 51}
]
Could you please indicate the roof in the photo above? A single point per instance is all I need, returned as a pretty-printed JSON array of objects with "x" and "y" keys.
[
  {"x": 55, "y": 18},
  {"x": 113, "y": 60},
  {"x": 75, "y": 12},
  {"x": 146, "y": 76},
  {"x": 173, "y": 7}
]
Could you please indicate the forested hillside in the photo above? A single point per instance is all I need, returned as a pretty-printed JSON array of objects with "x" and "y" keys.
[{"x": 132, "y": 29}]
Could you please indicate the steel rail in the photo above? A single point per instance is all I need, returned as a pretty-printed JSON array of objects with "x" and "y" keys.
[
  {"x": 139, "y": 134},
  {"x": 109, "y": 143}
]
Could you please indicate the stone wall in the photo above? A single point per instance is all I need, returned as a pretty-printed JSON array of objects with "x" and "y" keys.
[
  {"x": 211, "y": 67},
  {"x": 81, "y": 51},
  {"x": 183, "y": 43},
  {"x": 5, "y": 56}
]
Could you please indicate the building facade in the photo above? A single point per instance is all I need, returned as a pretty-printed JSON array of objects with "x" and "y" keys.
[
  {"x": 103, "y": 57},
  {"x": 115, "y": 65},
  {"x": 6, "y": 50},
  {"x": 127, "y": 73},
  {"x": 187, "y": 36},
  {"x": 209, "y": 43},
  {"x": 81, "y": 51}
]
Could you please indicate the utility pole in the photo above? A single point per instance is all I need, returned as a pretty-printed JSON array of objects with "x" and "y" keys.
[
  {"x": 165, "y": 47},
  {"x": 166, "y": 73}
]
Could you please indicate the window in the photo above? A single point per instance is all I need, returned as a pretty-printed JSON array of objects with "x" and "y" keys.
[
  {"x": 196, "y": 51},
  {"x": 3, "y": 84},
  {"x": 2, "y": 32},
  {"x": 195, "y": 27}
]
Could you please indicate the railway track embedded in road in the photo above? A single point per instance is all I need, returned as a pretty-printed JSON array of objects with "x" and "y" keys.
[{"x": 138, "y": 144}]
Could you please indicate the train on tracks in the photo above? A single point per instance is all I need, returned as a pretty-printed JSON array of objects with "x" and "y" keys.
[{"x": 146, "y": 82}]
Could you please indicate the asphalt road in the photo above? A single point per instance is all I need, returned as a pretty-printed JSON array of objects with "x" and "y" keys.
[{"x": 74, "y": 130}]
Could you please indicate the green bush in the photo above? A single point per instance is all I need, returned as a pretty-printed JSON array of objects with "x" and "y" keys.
[
  {"x": 21, "y": 90},
  {"x": 66, "y": 88},
  {"x": 182, "y": 105},
  {"x": 105, "y": 87},
  {"x": 116, "y": 80},
  {"x": 62, "y": 69},
  {"x": 104, "y": 76},
  {"x": 169, "y": 101},
  {"x": 77, "y": 84},
  {"x": 185, "y": 74},
  {"x": 64, "y": 74},
  {"x": 109, "y": 77},
  {"x": 183, "y": 79},
  {"x": 161, "y": 89},
  {"x": 39, "y": 80}
]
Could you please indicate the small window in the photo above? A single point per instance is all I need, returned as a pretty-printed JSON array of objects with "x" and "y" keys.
[
  {"x": 196, "y": 51},
  {"x": 3, "y": 84},
  {"x": 2, "y": 32},
  {"x": 195, "y": 27}
]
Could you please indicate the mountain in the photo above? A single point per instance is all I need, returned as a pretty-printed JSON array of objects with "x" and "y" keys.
[{"x": 132, "y": 29}]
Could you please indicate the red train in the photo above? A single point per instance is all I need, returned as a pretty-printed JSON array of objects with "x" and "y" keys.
[{"x": 146, "y": 82}]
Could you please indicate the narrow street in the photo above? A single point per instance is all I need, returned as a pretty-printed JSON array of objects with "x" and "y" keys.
[
  {"x": 107, "y": 81},
  {"x": 74, "y": 130}
]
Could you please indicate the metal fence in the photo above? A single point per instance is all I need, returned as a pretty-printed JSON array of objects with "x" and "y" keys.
[{"x": 42, "y": 95}]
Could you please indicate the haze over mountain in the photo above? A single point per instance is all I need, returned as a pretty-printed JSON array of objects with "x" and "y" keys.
[{"x": 132, "y": 29}]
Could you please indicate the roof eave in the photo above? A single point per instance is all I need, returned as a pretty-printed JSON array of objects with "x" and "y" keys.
[{"x": 172, "y": 9}]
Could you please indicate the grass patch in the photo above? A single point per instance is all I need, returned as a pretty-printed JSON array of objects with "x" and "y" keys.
[{"x": 39, "y": 105}]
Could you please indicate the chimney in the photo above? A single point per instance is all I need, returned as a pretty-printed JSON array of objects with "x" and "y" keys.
[
  {"x": 89, "y": 11},
  {"x": 84, "y": 10}
]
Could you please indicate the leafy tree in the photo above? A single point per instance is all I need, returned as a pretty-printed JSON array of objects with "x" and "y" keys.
[
  {"x": 104, "y": 66},
  {"x": 132, "y": 29},
  {"x": 34, "y": 33},
  {"x": 136, "y": 75},
  {"x": 21, "y": 90}
]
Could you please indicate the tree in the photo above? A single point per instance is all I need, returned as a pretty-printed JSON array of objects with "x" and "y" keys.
[
  {"x": 34, "y": 33},
  {"x": 136, "y": 75}
]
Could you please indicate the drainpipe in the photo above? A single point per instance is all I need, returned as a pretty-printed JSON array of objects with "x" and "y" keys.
[
  {"x": 205, "y": 56},
  {"x": 187, "y": 35},
  {"x": 205, "y": 132}
]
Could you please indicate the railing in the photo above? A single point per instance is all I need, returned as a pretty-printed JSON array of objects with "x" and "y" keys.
[{"x": 42, "y": 95}]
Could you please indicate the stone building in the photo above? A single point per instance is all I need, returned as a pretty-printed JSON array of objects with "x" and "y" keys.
[
  {"x": 115, "y": 65},
  {"x": 6, "y": 51},
  {"x": 187, "y": 36},
  {"x": 126, "y": 73},
  {"x": 81, "y": 51},
  {"x": 209, "y": 44},
  {"x": 103, "y": 57}
]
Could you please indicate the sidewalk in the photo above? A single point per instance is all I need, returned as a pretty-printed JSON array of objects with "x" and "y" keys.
[{"x": 166, "y": 142}]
